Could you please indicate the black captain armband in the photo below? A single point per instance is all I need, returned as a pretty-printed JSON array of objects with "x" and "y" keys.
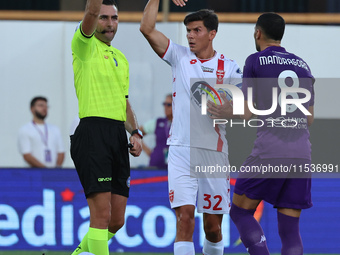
[{"x": 138, "y": 132}]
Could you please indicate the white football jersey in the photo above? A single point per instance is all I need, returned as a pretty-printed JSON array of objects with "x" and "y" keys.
[
  {"x": 191, "y": 78},
  {"x": 36, "y": 139}
]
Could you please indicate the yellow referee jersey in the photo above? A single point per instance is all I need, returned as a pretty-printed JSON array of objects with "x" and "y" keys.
[{"x": 101, "y": 78}]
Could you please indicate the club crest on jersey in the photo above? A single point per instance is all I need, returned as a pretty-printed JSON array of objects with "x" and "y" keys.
[
  {"x": 193, "y": 61},
  {"x": 220, "y": 74},
  {"x": 171, "y": 196}
]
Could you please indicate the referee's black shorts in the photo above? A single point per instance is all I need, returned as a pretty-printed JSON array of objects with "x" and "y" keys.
[{"x": 100, "y": 154}]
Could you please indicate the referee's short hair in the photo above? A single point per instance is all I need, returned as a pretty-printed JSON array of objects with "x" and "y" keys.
[
  {"x": 35, "y": 99},
  {"x": 109, "y": 2},
  {"x": 272, "y": 24},
  {"x": 209, "y": 18}
]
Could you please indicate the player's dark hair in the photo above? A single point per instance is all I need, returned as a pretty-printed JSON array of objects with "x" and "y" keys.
[
  {"x": 209, "y": 18},
  {"x": 272, "y": 24},
  {"x": 109, "y": 2},
  {"x": 35, "y": 99}
]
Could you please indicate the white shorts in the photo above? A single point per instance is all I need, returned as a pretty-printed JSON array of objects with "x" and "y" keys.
[{"x": 187, "y": 185}]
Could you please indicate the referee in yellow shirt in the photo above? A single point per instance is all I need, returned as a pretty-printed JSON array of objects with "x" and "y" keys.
[{"x": 99, "y": 146}]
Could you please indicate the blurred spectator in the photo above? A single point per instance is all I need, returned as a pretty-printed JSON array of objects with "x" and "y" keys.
[
  {"x": 160, "y": 127},
  {"x": 41, "y": 143}
]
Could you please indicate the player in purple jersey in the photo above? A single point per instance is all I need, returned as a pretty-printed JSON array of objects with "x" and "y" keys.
[{"x": 282, "y": 140}]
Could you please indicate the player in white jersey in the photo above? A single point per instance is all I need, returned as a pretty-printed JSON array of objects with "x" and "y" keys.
[
  {"x": 190, "y": 76},
  {"x": 194, "y": 142}
]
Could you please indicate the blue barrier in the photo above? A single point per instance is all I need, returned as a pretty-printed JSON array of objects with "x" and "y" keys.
[{"x": 46, "y": 209}]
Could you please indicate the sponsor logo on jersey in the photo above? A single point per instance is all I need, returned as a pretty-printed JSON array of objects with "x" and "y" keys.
[
  {"x": 207, "y": 69},
  {"x": 193, "y": 61},
  {"x": 171, "y": 196}
]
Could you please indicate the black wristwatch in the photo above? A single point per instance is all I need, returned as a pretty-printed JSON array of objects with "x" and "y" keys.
[{"x": 138, "y": 132}]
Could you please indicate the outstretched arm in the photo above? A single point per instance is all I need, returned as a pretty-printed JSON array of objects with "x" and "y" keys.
[
  {"x": 91, "y": 16},
  {"x": 157, "y": 40}
]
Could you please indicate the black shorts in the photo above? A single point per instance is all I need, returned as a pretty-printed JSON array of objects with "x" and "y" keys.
[{"x": 100, "y": 154}]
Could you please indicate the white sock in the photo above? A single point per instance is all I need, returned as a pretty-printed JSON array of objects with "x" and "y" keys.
[
  {"x": 210, "y": 248},
  {"x": 184, "y": 248}
]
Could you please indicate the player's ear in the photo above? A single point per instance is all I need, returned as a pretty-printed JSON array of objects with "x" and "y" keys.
[
  {"x": 212, "y": 34},
  {"x": 257, "y": 34}
]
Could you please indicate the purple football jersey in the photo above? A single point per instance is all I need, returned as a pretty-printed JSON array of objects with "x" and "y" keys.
[{"x": 279, "y": 135}]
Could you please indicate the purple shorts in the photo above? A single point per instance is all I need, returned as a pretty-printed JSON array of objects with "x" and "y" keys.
[{"x": 280, "y": 188}]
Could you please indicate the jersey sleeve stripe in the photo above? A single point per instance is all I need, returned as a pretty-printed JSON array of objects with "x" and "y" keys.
[
  {"x": 81, "y": 31},
  {"x": 219, "y": 141},
  {"x": 166, "y": 49}
]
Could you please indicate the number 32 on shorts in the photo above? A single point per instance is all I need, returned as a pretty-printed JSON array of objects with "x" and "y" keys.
[{"x": 216, "y": 200}]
